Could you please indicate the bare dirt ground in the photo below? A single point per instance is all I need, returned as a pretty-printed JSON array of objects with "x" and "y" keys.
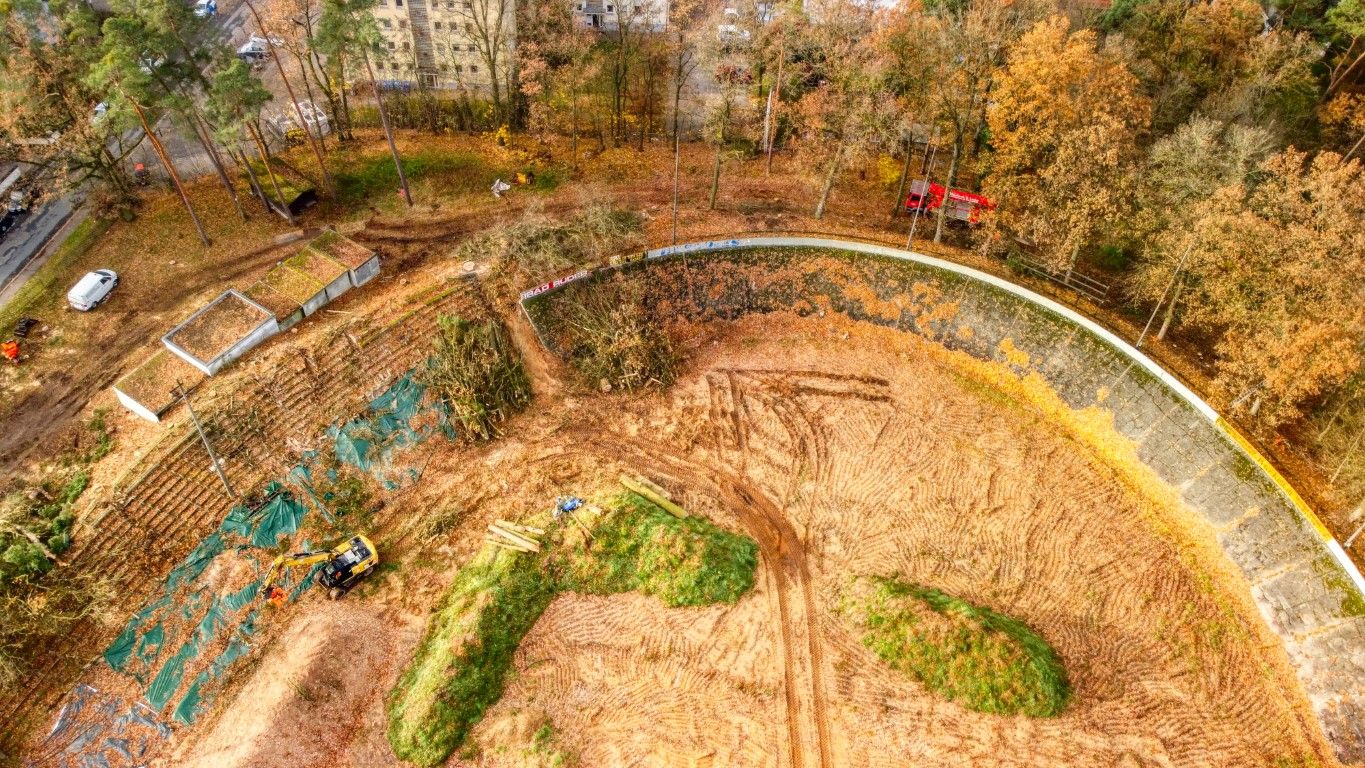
[{"x": 843, "y": 450}]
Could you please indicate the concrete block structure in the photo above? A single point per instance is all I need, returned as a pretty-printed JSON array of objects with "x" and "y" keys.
[
  {"x": 221, "y": 331},
  {"x": 361, "y": 262}
]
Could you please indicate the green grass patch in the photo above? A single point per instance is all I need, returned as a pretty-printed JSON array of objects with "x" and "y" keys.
[
  {"x": 681, "y": 561},
  {"x": 375, "y": 175},
  {"x": 51, "y": 277},
  {"x": 461, "y": 666},
  {"x": 981, "y": 659}
]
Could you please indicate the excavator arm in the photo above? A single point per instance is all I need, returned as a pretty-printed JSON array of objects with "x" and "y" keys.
[
  {"x": 283, "y": 563},
  {"x": 347, "y": 563}
]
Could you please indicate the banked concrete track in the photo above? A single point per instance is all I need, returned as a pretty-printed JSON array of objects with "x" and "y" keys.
[{"x": 1306, "y": 588}]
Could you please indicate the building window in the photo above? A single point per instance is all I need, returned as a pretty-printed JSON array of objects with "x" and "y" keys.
[
  {"x": 397, "y": 3},
  {"x": 473, "y": 67},
  {"x": 609, "y": 8},
  {"x": 406, "y": 46},
  {"x": 469, "y": 6},
  {"x": 436, "y": 25},
  {"x": 380, "y": 65},
  {"x": 387, "y": 24},
  {"x": 402, "y": 23},
  {"x": 458, "y": 69},
  {"x": 393, "y": 46},
  {"x": 468, "y": 28}
]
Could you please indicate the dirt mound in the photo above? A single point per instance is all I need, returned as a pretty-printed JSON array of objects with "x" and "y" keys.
[{"x": 317, "y": 697}]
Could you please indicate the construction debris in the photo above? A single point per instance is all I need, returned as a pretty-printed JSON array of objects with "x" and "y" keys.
[{"x": 569, "y": 505}]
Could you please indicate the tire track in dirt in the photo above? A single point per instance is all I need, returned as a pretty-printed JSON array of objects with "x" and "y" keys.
[{"x": 796, "y": 607}]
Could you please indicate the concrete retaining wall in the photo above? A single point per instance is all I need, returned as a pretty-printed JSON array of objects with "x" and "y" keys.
[{"x": 1306, "y": 588}]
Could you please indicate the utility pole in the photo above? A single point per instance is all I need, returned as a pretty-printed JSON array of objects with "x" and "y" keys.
[
  {"x": 217, "y": 465},
  {"x": 930, "y": 151}
]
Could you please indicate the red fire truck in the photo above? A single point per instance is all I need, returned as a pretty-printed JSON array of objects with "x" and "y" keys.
[{"x": 963, "y": 206}]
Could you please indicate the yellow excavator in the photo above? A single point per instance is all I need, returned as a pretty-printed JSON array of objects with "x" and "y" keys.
[{"x": 346, "y": 564}]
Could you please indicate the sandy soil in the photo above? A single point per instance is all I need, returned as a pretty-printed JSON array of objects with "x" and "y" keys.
[
  {"x": 317, "y": 697},
  {"x": 842, "y": 450}
]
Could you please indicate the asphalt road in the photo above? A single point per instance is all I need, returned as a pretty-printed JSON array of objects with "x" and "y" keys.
[
  {"x": 26, "y": 240},
  {"x": 24, "y": 243}
]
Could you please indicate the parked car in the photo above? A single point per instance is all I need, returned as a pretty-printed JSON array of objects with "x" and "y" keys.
[
  {"x": 91, "y": 291},
  {"x": 9, "y": 220},
  {"x": 205, "y": 8},
  {"x": 256, "y": 49}
]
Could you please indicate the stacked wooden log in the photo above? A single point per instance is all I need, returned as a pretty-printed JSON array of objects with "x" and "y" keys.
[{"x": 514, "y": 536}]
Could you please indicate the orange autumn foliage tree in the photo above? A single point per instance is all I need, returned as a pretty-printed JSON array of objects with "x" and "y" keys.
[
  {"x": 1279, "y": 272},
  {"x": 1065, "y": 120}
]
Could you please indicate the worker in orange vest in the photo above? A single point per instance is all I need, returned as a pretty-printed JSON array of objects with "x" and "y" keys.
[{"x": 10, "y": 351}]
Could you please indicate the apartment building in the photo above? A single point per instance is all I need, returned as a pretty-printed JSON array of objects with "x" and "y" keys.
[
  {"x": 441, "y": 43},
  {"x": 610, "y": 15}
]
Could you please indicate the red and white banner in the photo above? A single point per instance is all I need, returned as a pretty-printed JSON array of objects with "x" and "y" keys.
[{"x": 553, "y": 284}]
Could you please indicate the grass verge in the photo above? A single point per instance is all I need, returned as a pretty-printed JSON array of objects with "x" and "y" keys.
[
  {"x": 983, "y": 660},
  {"x": 45, "y": 282},
  {"x": 461, "y": 666}
]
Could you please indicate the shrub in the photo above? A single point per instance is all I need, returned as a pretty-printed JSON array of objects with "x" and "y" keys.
[
  {"x": 612, "y": 341},
  {"x": 477, "y": 375},
  {"x": 536, "y": 248}
]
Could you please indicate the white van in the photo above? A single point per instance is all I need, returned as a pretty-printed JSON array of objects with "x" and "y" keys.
[{"x": 92, "y": 290}]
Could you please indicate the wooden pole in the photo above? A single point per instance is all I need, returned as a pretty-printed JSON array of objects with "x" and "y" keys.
[{"x": 217, "y": 466}]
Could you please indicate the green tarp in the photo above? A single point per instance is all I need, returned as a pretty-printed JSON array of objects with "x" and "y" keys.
[
  {"x": 196, "y": 618},
  {"x": 281, "y": 516},
  {"x": 373, "y": 442}
]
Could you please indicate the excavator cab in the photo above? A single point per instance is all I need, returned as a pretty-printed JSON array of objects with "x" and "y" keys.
[
  {"x": 351, "y": 564},
  {"x": 343, "y": 567}
]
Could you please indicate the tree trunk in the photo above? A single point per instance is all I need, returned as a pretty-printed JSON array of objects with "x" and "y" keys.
[
  {"x": 905, "y": 173},
  {"x": 715, "y": 173},
  {"x": 573, "y": 142},
  {"x": 206, "y": 140},
  {"x": 1346, "y": 458},
  {"x": 308, "y": 88},
  {"x": 1071, "y": 262},
  {"x": 312, "y": 140},
  {"x": 1353, "y": 149},
  {"x": 245, "y": 162},
  {"x": 274, "y": 182},
  {"x": 948, "y": 187},
  {"x": 1170, "y": 312},
  {"x": 829, "y": 181},
  {"x": 388, "y": 132},
  {"x": 345, "y": 98},
  {"x": 170, "y": 168},
  {"x": 677, "y": 167},
  {"x": 777, "y": 105}
]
